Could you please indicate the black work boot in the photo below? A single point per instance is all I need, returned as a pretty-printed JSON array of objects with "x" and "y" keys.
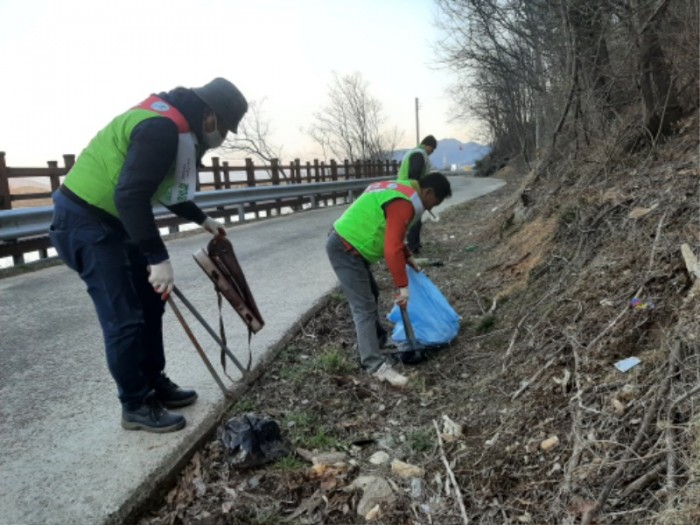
[
  {"x": 171, "y": 395},
  {"x": 151, "y": 416}
]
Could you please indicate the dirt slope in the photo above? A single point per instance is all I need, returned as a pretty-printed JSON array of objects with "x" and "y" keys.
[{"x": 557, "y": 276}]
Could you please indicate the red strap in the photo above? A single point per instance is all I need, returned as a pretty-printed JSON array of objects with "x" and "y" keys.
[{"x": 160, "y": 106}]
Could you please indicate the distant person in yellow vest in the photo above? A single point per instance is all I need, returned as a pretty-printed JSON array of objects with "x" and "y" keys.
[
  {"x": 372, "y": 228},
  {"x": 104, "y": 229},
  {"x": 414, "y": 166}
]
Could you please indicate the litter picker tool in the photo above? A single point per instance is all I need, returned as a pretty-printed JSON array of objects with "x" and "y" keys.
[
  {"x": 219, "y": 262},
  {"x": 408, "y": 328}
]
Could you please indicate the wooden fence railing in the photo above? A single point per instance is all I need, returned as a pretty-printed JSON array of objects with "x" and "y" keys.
[
  {"x": 222, "y": 174},
  {"x": 218, "y": 176}
]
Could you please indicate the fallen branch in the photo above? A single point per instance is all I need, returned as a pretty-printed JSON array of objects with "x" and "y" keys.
[
  {"x": 644, "y": 481},
  {"x": 656, "y": 240},
  {"x": 669, "y": 431},
  {"x": 478, "y": 302},
  {"x": 458, "y": 493},
  {"x": 534, "y": 378}
]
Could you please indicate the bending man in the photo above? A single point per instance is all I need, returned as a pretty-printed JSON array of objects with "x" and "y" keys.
[{"x": 375, "y": 226}]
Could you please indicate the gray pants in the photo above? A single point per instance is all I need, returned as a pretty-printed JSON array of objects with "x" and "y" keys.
[{"x": 359, "y": 287}]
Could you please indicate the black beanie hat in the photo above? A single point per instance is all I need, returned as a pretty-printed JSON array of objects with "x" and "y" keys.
[
  {"x": 430, "y": 141},
  {"x": 225, "y": 100}
]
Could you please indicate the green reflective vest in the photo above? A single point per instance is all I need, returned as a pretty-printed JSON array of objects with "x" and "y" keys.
[
  {"x": 405, "y": 163},
  {"x": 95, "y": 174},
  {"x": 363, "y": 225}
]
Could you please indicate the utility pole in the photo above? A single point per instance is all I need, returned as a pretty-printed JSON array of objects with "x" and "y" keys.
[{"x": 417, "y": 125}]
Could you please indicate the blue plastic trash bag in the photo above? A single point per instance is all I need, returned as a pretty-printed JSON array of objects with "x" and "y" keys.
[{"x": 435, "y": 323}]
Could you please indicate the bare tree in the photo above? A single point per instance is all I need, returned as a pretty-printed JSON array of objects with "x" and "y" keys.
[
  {"x": 350, "y": 124},
  {"x": 569, "y": 68},
  {"x": 253, "y": 137}
]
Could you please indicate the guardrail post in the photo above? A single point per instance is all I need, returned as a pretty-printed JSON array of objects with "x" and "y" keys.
[
  {"x": 5, "y": 198},
  {"x": 18, "y": 259}
]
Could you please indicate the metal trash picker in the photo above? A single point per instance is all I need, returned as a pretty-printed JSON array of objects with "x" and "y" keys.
[{"x": 219, "y": 262}]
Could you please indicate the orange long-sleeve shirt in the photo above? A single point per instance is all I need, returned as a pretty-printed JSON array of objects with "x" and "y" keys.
[{"x": 398, "y": 213}]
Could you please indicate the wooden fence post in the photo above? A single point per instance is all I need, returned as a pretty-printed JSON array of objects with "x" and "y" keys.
[
  {"x": 250, "y": 182},
  {"x": 68, "y": 161},
  {"x": 250, "y": 173},
  {"x": 296, "y": 171},
  {"x": 358, "y": 169},
  {"x": 216, "y": 170},
  {"x": 53, "y": 175},
  {"x": 346, "y": 166},
  {"x": 227, "y": 175},
  {"x": 5, "y": 199},
  {"x": 275, "y": 179},
  {"x": 308, "y": 171},
  {"x": 317, "y": 173}
]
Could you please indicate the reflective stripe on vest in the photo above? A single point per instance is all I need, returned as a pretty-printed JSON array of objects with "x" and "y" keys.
[{"x": 185, "y": 177}]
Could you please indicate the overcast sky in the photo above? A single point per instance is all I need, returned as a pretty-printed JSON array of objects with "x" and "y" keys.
[{"x": 69, "y": 66}]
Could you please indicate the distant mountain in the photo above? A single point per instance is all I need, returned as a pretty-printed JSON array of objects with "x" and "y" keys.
[{"x": 452, "y": 152}]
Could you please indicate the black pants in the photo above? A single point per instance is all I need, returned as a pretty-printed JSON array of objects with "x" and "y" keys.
[
  {"x": 129, "y": 310},
  {"x": 413, "y": 237}
]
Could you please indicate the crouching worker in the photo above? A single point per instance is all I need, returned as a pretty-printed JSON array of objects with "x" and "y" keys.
[
  {"x": 375, "y": 226},
  {"x": 104, "y": 229}
]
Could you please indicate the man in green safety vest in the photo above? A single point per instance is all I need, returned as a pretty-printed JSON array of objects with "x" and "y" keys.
[
  {"x": 416, "y": 164},
  {"x": 104, "y": 228},
  {"x": 372, "y": 228}
]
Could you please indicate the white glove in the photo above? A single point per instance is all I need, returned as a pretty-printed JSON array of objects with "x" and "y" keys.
[
  {"x": 402, "y": 298},
  {"x": 214, "y": 227},
  {"x": 162, "y": 278}
]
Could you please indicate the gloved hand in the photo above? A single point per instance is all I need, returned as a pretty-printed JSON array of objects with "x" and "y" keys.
[
  {"x": 402, "y": 298},
  {"x": 214, "y": 227},
  {"x": 411, "y": 261},
  {"x": 162, "y": 278}
]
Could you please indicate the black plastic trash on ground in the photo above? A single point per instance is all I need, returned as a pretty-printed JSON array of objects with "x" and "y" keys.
[{"x": 252, "y": 440}]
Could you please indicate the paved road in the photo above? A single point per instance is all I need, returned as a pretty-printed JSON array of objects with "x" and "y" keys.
[{"x": 64, "y": 457}]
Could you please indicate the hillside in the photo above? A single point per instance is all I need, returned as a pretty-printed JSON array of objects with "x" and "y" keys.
[
  {"x": 557, "y": 276},
  {"x": 452, "y": 152}
]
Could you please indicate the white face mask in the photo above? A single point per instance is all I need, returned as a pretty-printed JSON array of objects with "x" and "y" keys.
[{"x": 213, "y": 139}]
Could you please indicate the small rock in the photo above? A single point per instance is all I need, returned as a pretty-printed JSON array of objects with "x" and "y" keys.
[
  {"x": 406, "y": 470},
  {"x": 416, "y": 488},
  {"x": 619, "y": 407},
  {"x": 549, "y": 443},
  {"x": 379, "y": 458},
  {"x": 373, "y": 514},
  {"x": 375, "y": 490},
  {"x": 329, "y": 458}
]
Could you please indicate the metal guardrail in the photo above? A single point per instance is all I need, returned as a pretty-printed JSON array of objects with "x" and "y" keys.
[{"x": 27, "y": 222}]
